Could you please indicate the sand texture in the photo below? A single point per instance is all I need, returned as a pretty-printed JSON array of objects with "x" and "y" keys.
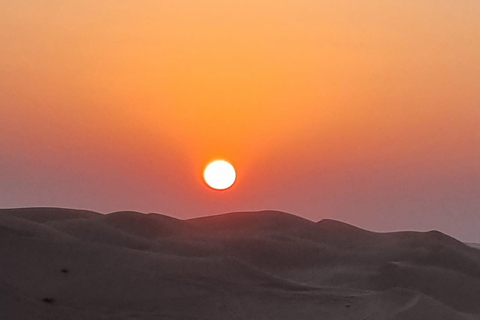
[{"x": 72, "y": 264}]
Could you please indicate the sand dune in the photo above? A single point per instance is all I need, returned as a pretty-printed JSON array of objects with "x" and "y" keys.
[{"x": 73, "y": 264}]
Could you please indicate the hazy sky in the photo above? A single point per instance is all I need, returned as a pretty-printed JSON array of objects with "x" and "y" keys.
[{"x": 363, "y": 111}]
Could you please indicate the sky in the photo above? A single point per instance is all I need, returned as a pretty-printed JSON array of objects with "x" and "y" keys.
[{"x": 364, "y": 111}]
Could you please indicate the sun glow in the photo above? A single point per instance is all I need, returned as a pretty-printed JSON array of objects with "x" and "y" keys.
[{"x": 219, "y": 175}]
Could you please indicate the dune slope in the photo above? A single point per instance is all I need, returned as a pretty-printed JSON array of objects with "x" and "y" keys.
[{"x": 73, "y": 264}]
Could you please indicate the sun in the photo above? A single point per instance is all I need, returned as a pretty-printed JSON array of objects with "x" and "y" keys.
[{"x": 219, "y": 175}]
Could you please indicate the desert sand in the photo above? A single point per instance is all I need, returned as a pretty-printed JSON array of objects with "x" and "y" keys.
[{"x": 72, "y": 264}]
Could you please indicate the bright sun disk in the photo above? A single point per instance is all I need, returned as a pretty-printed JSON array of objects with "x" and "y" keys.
[{"x": 219, "y": 175}]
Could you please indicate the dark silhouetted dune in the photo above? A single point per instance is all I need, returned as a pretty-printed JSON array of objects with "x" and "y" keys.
[
  {"x": 49, "y": 214},
  {"x": 146, "y": 225},
  {"x": 245, "y": 222},
  {"x": 74, "y": 264}
]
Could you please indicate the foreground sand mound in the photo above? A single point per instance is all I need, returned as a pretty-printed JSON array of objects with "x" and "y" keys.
[{"x": 72, "y": 264}]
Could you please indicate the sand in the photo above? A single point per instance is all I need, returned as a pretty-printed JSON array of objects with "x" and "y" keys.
[{"x": 72, "y": 264}]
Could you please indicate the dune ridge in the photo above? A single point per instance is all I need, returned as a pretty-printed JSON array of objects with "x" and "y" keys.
[{"x": 76, "y": 264}]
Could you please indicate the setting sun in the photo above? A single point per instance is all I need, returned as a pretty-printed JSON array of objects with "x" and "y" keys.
[{"x": 219, "y": 175}]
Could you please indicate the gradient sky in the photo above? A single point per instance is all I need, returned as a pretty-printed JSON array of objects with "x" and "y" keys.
[{"x": 363, "y": 111}]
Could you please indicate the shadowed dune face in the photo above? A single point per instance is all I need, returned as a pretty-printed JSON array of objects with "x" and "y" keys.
[
  {"x": 49, "y": 214},
  {"x": 251, "y": 222},
  {"x": 148, "y": 226},
  {"x": 72, "y": 264}
]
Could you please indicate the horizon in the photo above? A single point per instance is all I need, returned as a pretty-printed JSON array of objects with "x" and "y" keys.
[
  {"x": 364, "y": 112},
  {"x": 213, "y": 215}
]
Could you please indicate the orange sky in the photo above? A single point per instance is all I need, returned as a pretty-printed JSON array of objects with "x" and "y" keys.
[{"x": 363, "y": 111}]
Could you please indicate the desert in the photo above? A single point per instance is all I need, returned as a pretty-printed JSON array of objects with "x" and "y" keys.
[{"x": 74, "y": 264}]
